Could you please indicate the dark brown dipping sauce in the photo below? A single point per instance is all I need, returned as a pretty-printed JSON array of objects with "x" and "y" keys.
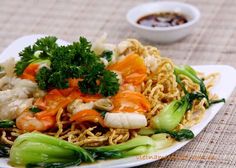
[{"x": 163, "y": 19}]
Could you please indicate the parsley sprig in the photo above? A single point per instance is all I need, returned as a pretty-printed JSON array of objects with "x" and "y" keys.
[{"x": 73, "y": 61}]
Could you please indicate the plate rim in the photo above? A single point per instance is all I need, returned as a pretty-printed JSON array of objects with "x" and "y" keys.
[{"x": 133, "y": 161}]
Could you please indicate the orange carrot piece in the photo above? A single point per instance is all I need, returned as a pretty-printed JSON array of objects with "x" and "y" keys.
[
  {"x": 31, "y": 69},
  {"x": 88, "y": 115},
  {"x": 73, "y": 82},
  {"x": 130, "y": 100},
  {"x": 132, "y": 69},
  {"x": 90, "y": 98},
  {"x": 30, "y": 72},
  {"x": 135, "y": 78},
  {"x": 66, "y": 92},
  {"x": 28, "y": 77}
]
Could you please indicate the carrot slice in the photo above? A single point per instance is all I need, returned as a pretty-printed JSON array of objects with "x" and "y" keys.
[
  {"x": 135, "y": 78},
  {"x": 28, "y": 77},
  {"x": 31, "y": 69},
  {"x": 130, "y": 101},
  {"x": 53, "y": 95},
  {"x": 132, "y": 69},
  {"x": 66, "y": 92},
  {"x": 74, "y": 94},
  {"x": 30, "y": 72},
  {"x": 73, "y": 82},
  {"x": 90, "y": 98},
  {"x": 88, "y": 115}
]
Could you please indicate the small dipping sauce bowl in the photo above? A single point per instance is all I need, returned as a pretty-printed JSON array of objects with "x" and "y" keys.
[{"x": 163, "y": 22}]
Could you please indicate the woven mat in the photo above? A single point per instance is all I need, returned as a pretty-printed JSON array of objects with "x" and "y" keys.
[{"x": 212, "y": 42}]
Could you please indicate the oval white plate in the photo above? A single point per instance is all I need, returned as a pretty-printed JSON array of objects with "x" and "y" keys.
[{"x": 224, "y": 87}]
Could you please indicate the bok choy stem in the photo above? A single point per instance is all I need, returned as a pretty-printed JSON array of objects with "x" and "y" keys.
[
  {"x": 192, "y": 74},
  {"x": 179, "y": 135},
  {"x": 6, "y": 123},
  {"x": 35, "y": 148},
  {"x": 136, "y": 146}
]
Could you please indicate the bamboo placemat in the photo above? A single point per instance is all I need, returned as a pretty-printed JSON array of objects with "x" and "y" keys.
[{"x": 212, "y": 42}]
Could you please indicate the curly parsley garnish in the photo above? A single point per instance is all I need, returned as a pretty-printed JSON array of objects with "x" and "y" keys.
[{"x": 73, "y": 61}]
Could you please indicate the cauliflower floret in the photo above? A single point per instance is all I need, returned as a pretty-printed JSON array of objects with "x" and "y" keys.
[
  {"x": 151, "y": 63},
  {"x": 78, "y": 105}
]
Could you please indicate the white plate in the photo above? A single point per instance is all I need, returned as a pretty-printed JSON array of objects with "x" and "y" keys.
[{"x": 224, "y": 87}]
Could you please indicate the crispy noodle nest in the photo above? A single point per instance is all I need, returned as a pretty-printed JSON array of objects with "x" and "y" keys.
[{"x": 160, "y": 89}]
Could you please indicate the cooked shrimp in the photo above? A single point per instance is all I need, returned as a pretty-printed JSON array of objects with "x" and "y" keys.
[{"x": 27, "y": 121}]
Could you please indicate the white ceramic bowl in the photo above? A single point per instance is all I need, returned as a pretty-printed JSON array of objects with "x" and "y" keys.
[{"x": 164, "y": 34}]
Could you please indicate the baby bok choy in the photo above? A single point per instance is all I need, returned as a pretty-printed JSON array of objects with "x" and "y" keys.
[
  {"x": 35, "y": 149},
  {"x": 169, "y": 117},
  {"x": 4, "y": 150},
  {"x": 192, "y": 74},
  {"x": 6, "y": 123},
  {"x": 172, "y": 114},
  {"x": 183, "y": 134},
  {"x": 136, "y": 146}
]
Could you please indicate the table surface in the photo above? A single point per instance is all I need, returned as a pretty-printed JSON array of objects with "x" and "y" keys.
[{"x": 212, "y": 42}]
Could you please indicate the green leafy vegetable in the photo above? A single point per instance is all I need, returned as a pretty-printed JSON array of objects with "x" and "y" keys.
[
  {"x": 39, "y": 150},
  {"x": 90, "y": 82},
  {"x": 36, "y": 148},
  {"x": 147, "y": 131},
  {"x": 108, "y": 84},
  {"x": 54, "y": 165},
  {"x": 58, "y": 80},
  {"x": 171, "y": 115},
  {"x": 118, "y": 151},
  {"x": 191, "y": 73},
  {"x": 42, "y": 77},
  {"x": 136, "y": 146},
  {"x": 183, "y": 134},
  {"x": 103, "y": 113},
  {"x": 40, "y": 53},
  {"x": 73, "y": 61},
  {"x": 81, "y": 62},
  {"x": 4, "y": 151},
  {"x": 35, "y": 109},
  {"x": 6, "y": 123},
  {"x": 107, "y": 55}
]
